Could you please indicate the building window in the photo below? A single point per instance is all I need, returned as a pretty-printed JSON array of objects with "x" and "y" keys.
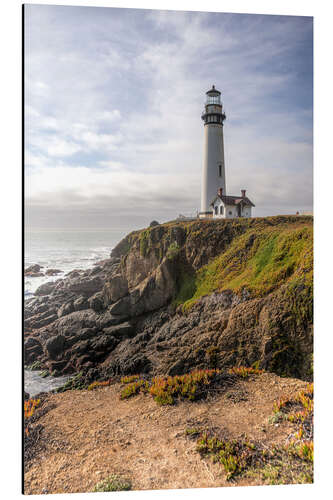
[
  {"x": 230, "y": 212},
  {"x": 221, "y": 209},
  {"x": 220, "y": 170},
  {"x": 216, "y": 210}
]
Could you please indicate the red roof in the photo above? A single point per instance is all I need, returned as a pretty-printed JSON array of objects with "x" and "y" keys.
[{"x": 234, "y": 200}]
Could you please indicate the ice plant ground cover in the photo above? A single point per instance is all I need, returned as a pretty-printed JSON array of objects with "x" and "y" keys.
[{"x": 191, "y": 386}]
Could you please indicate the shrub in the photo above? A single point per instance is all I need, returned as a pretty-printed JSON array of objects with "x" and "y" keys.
[
  {"x": 99, "y": 384},
  {"x": 113, "y": 483},
  {"x": 234, "y": 455},
  {"x": 173, "y": 250},
  {"x": 244, "y": 372},
  {"x": 129, "y": 378},
  {"x": 30, "y": 406},
  {"x": 134, "y": 388},
  {"x": 190, "y": 386}
]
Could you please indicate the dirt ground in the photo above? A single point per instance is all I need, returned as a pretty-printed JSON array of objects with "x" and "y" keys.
[{"x": 89, "y": 435}]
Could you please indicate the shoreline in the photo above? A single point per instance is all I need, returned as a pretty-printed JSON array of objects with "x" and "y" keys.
[{"x": 35, "y": 384}]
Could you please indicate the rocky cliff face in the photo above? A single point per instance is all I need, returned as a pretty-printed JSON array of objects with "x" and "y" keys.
[{"x": 183, "y": 295}]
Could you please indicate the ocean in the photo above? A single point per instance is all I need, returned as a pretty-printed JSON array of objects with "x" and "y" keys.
[{"x": 66, "y": 250}]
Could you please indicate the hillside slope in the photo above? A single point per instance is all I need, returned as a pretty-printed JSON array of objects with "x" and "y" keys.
[{"x": 183, "y": 295}]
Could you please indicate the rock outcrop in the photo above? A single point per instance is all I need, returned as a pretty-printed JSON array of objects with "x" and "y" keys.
[{"x": 183, "y": 295}]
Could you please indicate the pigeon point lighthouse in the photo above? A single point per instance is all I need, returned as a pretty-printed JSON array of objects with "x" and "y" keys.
[{"x": 213, "y": 171}]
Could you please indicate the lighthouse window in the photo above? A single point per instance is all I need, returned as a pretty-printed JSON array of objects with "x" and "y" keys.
[{"x": 220, "y": 170}]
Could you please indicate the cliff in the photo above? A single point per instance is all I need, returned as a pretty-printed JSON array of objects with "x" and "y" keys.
[{"x": 182, "y": 295}]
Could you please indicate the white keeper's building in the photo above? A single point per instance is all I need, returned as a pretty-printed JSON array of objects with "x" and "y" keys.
[{"x": 214, "y": 200}]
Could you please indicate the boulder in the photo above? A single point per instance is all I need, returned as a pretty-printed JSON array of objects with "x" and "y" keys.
[
  {"x": 81, "y": 303},
  {"x": 35, "y": 268},
  {"x": 45, "y": 288},
  {"x": 120, "y": 331},
  {"x": 65, "y": 309},
  {"x": 31, "y": 274},
  {"x": 32, "y": 350},
  {"x": 55, "y": 345},
  {"x": 104, "y": 343},
  {"x": 52, "y": 272},
  {"x": 96, "y": 302},
  {"x": 85, "y": 285}
]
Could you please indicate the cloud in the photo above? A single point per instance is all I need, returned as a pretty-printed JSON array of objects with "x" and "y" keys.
[{"x": 114, "y": 99}]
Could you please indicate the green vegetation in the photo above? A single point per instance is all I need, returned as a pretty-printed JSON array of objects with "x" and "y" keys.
[
  {"x": 244, "y": 372},
  {"x": 259, "y": 261},
  {"x": 186, "y": 286},
  {"x": 144, "y": 242},
  {"x": 191, "y": 386},
  {"x": 98, "y": 383},
  {"x": 288, "y": 464},
  {"x": 76, "y": 382},
  {"x": 173, "y": 250},
  {"x": 234, "y": 455},
  {"x": 134, "y": 388},
  {"x": 113, "y": 483},
  {"x": 36, "y": 365},
  {"x": 165, "y": 390}
]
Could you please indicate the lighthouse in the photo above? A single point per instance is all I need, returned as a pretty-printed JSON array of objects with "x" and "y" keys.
[{"x": 213, "y": 170}]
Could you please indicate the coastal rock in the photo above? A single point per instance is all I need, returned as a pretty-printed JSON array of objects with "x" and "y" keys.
[
  {"x": 127, "y": 314},
  {"x": 66, "y": 308},
  {"x": 45, "y": 288},
  {"x": 55, "y": 345},
  {"x": 31, "y": 274},
  {"x": 81, "y": 303},
  {"x": 35, "y": 268},
  {"x": 52, "y": 272},
  {"x": 122, "y": 331},
  {"x": 96, "y": 302},
  {"x": 115, "y": 289},
  {"x": 152, "y": 293},
  {"x": 86, "y": 285},
  {"x": 40, "y": 320},
  {"x": 32, "y": 350}
]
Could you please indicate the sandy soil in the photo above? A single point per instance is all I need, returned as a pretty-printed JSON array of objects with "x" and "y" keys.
[{"x": 89, "y": 435}]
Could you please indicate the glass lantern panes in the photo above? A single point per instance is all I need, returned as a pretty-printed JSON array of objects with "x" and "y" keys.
[{"x": 213, "y": 99}]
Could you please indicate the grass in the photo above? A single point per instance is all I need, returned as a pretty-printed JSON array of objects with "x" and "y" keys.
[
  {"x": 113, "y": 483},
  {"x": 258, "y": 260}
]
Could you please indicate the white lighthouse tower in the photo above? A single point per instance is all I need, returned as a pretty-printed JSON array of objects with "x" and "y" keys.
[{"x": 213, "y": 170}]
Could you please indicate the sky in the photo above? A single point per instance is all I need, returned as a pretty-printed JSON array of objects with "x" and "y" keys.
[{"x": 113, "y": 100}]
